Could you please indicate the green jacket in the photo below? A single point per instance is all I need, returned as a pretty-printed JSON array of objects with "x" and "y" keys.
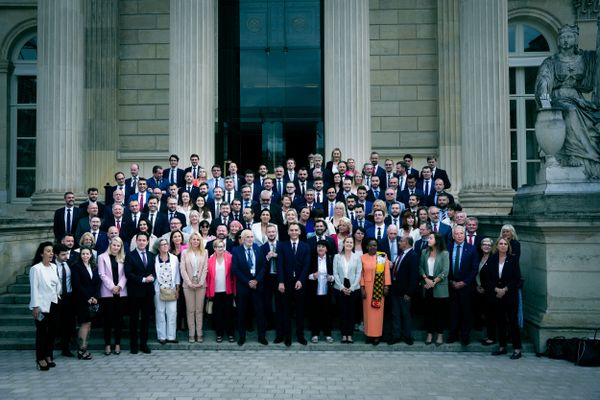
[{"x": 440, "y": 270}]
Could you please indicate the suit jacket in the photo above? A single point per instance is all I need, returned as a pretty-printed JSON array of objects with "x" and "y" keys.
[
  {"x": 194, "y": 192},
  {"x": 229, "y": 245},
  {"x": 413, "y": 171},
  {"x": 332, "y": 247},
  {"x": 441, "y": 174},
  {"x": 218, "y": 221},
  {"x": 275, "y": 213},
  {"x": 211, "y": 272},
  {"x": 127, "y": 229},
  {"x": 431, "y": 199},
  {"x": 371, "y": 194},
  {"x": 135, "y": 272},
  {"x": 384, "y": 245},
  {"x": 83, "y": 225},
  {"x": 444, "y": 229},
  {"x": 419, "y": 246},
  {"x": 292, "y": 267},
  {"x": 135, "y": 196},
  {"x": 469, "y": 264},
  {"x": 372, "y": 232},
  {"x": 132, "y": 190},
  {"x": 178, "y": 215},
  {"x": 312, "y": 284},
  {"x": 510, "y": 278},
  {"x": 179, "y": 180},
  {"x": 405, "y": 194},
  {"x": 59, "y": 222},
  {"x": 109, "y": 195},
  {"x": 380, "y": 172},
  {"x": 300, "y": 203},
  {"x": 84, "y": 287},
  {"x": 242, "y": 269},
  {"x": 440, "y": 270},
  {"x": 158, "y": 224},
  {"x": 405, "y": 275},
  {"x": 298, "y": 189},
  {"x": 101, "y": 242},
  {"x": 367, "y": 224},
  {"x": 421, "y": 183},
  {"x": 106, "y": 276},
  {"x": 162, "y": 183},
  {"x": 85, "y": 205},
  {"x": 286, "y": 177},
  {"x": 354, "y": 271}
]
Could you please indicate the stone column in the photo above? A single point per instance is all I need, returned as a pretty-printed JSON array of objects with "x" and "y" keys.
[
  {"x": 347, "y": 78},
  {"x": 101, "y": 90},
  {"x": 4, "y": 134},
  {"x": 449, "y": 90},
  {"x": 486, "y": 185},
  {"x": 192, "y": 80},
  {"x": 61, "y": 102}
]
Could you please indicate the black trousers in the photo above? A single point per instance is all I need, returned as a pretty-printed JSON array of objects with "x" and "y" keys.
[
  {"x": 435, "y": 312},
  {"x": 273, "y": 304},
  {"x": 66, "y": 321},
  {"x": 401, "y": 317},
  {"x": 244, "y": 301},
  {"x": 320, "y": 315},
  {"x": 483, "y": 307},
  {"x": 293, "y": 299},
  {"x": 222, "y": 316},
  {"x": 347, "y": 306},
  {"x": 140, "y": 309},
  {"x": 45, "y": 333},
  {"x": 507, "y": 314},
  {"x": 461, "y": 312},
  {"x": 113, "y": 309}
]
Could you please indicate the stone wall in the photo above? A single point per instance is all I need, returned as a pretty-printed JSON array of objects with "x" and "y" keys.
[
  {"x": 404, "y": 77},
  {"x": 143, "y": 79}
]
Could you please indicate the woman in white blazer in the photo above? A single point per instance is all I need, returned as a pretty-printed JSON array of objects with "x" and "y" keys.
[
  {"x": 45, "y": 291},
  {"x": 259, "y": 229},
  {"x": 166, "y": 289},
  {"x": 347, "y": 269}
]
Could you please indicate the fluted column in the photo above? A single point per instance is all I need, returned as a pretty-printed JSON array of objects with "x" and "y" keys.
[
  {"x": 192, "y": 82},
  {"x": 101, "y": 90},
  {"x": 347, "y": 78},
  {"x": 61, "y": 102},
  {"x": 486, "y": 185},
  {"x": 450, "y": 147}
]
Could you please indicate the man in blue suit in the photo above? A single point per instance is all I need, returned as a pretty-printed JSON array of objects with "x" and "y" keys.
[
  {"x": 248, "y": 265},
  {"x": 293, "y": 259},
  {"x": 157, "y": 180},
  {"x": 464, "y": 265},
  {"x": 436, "y": 225}
]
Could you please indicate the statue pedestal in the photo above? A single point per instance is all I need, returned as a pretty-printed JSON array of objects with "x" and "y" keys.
[{"x": 558, "y": 223}]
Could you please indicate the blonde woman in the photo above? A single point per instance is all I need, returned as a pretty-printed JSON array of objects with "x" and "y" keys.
[
  {"x": 339, "y": 212},
  {"x": 193, "y": 271},
  {"x": 344, "y": 231},
  {"x": 87, "y": 240}
]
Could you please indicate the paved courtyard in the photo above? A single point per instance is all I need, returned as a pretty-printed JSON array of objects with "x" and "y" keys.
[{"x": 281, "y": 374}]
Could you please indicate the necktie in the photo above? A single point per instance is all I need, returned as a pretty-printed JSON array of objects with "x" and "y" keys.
[
  {"x": 134, "y": 220},
  {"x": 246, "y": 204},
  {"x": 426, "y": 187},
  {"x": 250, "y": 260},
  {"x": 352, "y": 216},
  {"x": 144, "y": 259},
  {"x": 303, "y": 188},
  {"x": 119, "y": 225},
  {"x": 95, "y": 238},
  {"x": 273, "y": 265},
  {"x": 152, "y": 222},
  {"x": 435, "y": 227},
  {"x": 229, "y": 197},
  {"x": 396, "y": 221},
  {"x": 68, "y": 227},
  {"x": 318, "y": 197},
  {"x": 195, "y": 173},
  {"x": 331, "y": 208},
  {"x": 376, "y": 192},
  {"x": 64, "y": 279},
  {"x": 279, "y": 186},
  {"x": 216, "y": 182},
  {"x": 217, "y": 208},
  {"x": 388, "y": 180},
  {"x": 225, "y": 220},
  {"x": 397, "y": 266},
  {"x": 401, "y": 182},
  {"x": 142, "y": 197},
  {"x": 189, "y": 189},
  {"x": 379, "y": 233},
  {"x": 361, "y": 223},
  {"x": 170, "y": 216},
  {"x": 457, "y": 260},
  {"x": 172, "y": 177},
  {"x": 294, "y": 248}
]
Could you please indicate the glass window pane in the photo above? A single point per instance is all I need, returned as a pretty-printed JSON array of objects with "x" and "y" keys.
[
  {"x": 533, "y": 40},
  {"x": 511, "y": 38},
  {"x": 26, "y": 153},
  {"x": 514, "y": 175},
  {"x": 530, "y": 75},
  {"x": 512, "y": 81},
  {"x": 26, "y": 123},
  {"x": 25, "y": 182},
  {"x": 513, "y": 145},
  {"x": 531, "y": 145},
  {"x": 26, "y": 89},
  {"x": 29, "y": 50},
  {"x": 513, "y": 114},
  {"x": 530, "y": 113},
  {"x": 532, "y": 171}
]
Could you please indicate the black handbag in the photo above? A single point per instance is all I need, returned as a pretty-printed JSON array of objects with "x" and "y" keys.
[
  {"x": 588, "y": 352},
  {"x": 94, "y": 309}
]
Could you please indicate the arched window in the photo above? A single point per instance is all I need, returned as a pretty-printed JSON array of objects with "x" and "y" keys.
[
  {"x": 23, "y": 110},
  {"x": 528, "y": 46}
]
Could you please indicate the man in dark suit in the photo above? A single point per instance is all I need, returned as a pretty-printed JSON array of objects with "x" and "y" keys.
[
  {"x": 237, "y": 179},
  {"x": 67, "y": 217},
  {"x": 157, "y": 180},
  {"x": 132, "y": 181},
  {"x": 438, "y": 186},
  {"x": 255, "y": 187},
  {"x": 223, "y": 219},
  {"x": 389, "y": 244},
  {"x": 321, "y": 234},
  {"x": 360, "y": 220},
  {"x": 408, "y": 159},
  {"x": 271, "y": 294},
  {"x": 375, "y": 192},
  {"x": 248, "y": 266},
  {"x": 92, "y": 199},
  {"x": 293, "y": 259},
  {"x": 142, "y": 195},
  {"x": 378, "y": 170},
  {"x": 421, "y": 244},
  {"x": 267, "y": 203},
  {"x": 120, "y": 186},
  {"x": 405, "y": 278},
  {"x": 195, "y": 167},
  {"x": 436, "y": 225},
  {"x": 141, "y": 273},
  {"x": 66, "y": 326},
  {"x": 464, "y": 265},
  {"x": 222, "y": 234},
  {"x": 84, "y": 223},
  {"x": 302, "y": 183},
  {"x": 410, "y": 189},
  {"x": 472, "y": 237},
  {"x": 173, "y": 213},
  {"x": 290, "y": 173},
  {"x": 248, "y": 200},
  {"x": 100, "y": 238},
  {"x": 378, "y": 230},
  {"x": 308, "y": 201},
  {"x": 437, "y": 172},
  {"x": 174, "y": 174},
  {"x": 389, "y": 173},
  {"x": 229, "y": 192},
  {"x": 157, "y": 219},
  {"x": 426, "y": 182},
  {"x": 189, "y": 187},
  {"x": 124, "y": 225}
]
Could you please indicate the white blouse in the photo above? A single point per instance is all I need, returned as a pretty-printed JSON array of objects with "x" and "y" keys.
[
  {"x": 45, "y": 286},
  {"x": 220, "y": 276},
  {"x": 430, "y": 265}
]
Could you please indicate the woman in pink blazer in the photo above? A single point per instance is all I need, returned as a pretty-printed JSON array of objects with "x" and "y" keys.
[
  {"x": 112, "y": 291},
  {"x": 220, "y": 288}
]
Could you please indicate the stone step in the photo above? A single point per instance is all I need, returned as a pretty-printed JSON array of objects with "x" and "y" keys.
[
  {"x": 22, "y": 279},
  {"x": 14, "y": 298},
  {"x": 14, "y": 309},
  {"x": 20, "y": 319},
  {"x": 19, "y": 288}
]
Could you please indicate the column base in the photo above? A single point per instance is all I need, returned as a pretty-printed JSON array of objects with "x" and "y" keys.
[
  {"x": 487, "y": 201},
  {"x": 45, "y": 202}
]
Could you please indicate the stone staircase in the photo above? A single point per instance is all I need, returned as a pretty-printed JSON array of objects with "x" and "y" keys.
[{"x": 17, "y": 332}]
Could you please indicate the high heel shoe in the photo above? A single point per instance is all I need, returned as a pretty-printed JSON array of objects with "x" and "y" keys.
[
  {"x": 42, "y": 365},
  {"x": 107, "y": 351},
  {"x": 83, "y": 354},
  {"x": 51, "y": 363}
]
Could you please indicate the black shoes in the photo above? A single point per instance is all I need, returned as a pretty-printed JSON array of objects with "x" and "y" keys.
[
  {"x": 241, "y": 341},
  {"x": 516, "y": 355},
  {"x": 288, "y": 341},
  {"x": 42, "y": 365},
  {"x": 133, "y": 351},
  {"x": 162, "y": 341},
  {"x": 172, "y": 341},
  {"x": 409, "y": 341},
  {"x": 499, "y": 352},
  {"x": 393, "y": 341},
  {"x": 263, "y": 341},
  {"x": 278, "y": 340},
  {"x": 145, "y": 350},
  {"x": 302, "y": 340}
]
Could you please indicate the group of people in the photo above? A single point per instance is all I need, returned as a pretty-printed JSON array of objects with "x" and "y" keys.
[{"x": 320, "y": 241}]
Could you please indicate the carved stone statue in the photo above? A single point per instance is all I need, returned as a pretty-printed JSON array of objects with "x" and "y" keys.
[{"x": 562, "y": 79}]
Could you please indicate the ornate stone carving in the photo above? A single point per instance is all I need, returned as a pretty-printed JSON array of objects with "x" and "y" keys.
[{"x": 586, "y": 10}]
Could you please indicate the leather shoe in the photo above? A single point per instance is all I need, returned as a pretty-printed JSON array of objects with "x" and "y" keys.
[
  {"x": 263, "y": 341},
  {"x": 393, "y": 341},
  {"x": 172, "y": 341},
  {"x": 302, "y": 341},
  {"x": 133, "y": 351},
  {"x": 278, "y": 340},
  {"x": 499, "y": 352},
  {"x": 145, "y": 350},
  {"x": 241, "y": 341},
  {"x": 67, "y": 353},
  {"x": 465, "y": 342},
  {"x": 516, "y": 355},
  {"x": 162, "y": 341},
  {"x": 288, "y": 341},
  {"x": 409, "y": 341},
  {"x": 451, "y": 340}
]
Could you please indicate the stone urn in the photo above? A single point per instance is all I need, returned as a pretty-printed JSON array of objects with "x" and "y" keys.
[{"x": 550, "y": 130}]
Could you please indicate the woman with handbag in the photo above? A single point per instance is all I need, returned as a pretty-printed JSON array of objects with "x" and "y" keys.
[
  {"x": 375, "y": 282},
  {"x": 193, "y": 269},
  {"x": 220, "y": 290},
  {"x": 347, "y": 270},
  {"x": 113, "y": 292},
  {"x": 166, "y": 289},
  {"x": 434, "y": 268},
  {"x": 86, "y": 285},
  {"x": 45, "y": 290}
]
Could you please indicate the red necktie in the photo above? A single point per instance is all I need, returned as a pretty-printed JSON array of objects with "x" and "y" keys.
[{"x": 119, "y": 226}]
